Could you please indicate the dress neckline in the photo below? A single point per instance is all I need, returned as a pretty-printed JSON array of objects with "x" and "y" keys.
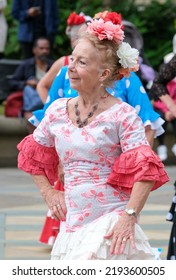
[{"x": 96, "y": 117}]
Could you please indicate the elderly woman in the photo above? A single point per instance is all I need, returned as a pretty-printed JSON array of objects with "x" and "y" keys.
[{"x": 109, "y": 166}]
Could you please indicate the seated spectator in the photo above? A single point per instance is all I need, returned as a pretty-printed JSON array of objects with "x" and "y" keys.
[{"x": 27, "y": 75}]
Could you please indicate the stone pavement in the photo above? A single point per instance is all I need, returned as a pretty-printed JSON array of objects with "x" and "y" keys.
[{"x": 22, "y": 213}]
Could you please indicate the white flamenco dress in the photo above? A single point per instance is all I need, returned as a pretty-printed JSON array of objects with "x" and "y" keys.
[{"x": 101, "y": 163}]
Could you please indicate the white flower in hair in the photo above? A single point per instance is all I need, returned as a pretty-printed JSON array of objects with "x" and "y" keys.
[{"x": 128, "y": 56}]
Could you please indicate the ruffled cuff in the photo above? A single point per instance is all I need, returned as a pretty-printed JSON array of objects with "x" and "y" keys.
[
  {"x": 36, "y": 159},
  {"x": 139, "y": 164}
]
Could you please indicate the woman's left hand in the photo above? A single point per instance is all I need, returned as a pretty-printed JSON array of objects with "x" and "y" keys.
[{"x": 121, "y": 233}]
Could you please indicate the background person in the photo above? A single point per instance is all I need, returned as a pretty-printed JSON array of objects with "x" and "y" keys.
[
  {"x": 162, "y": 109},
  {"x": 159, "y": 91},
  {"x": 36, "y": 18},
  {"x": 27, "y": 75},
  {"x": 94, "y": 134}
]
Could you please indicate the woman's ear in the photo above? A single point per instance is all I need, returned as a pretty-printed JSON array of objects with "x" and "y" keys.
[{"x": 104, "y": 75}]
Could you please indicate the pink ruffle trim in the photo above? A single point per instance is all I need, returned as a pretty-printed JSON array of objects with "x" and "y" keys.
[
  {"x": 139, "y": 164},
  {"x": 36, "y": 159}
]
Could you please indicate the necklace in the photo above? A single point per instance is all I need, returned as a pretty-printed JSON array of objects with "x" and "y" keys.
[{"x": 83, "y": 123}]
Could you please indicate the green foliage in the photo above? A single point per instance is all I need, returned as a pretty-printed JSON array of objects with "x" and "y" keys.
[
  {"x": 12, "y": 46},
  {"x": 159, "y": 22},
  {"x": 155, "y": 21}
]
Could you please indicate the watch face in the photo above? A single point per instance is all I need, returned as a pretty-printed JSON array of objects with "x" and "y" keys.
[{"x": 130, "y": 212}]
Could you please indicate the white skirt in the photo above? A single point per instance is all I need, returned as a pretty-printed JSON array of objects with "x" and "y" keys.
[{"x": 88, "y": 243}]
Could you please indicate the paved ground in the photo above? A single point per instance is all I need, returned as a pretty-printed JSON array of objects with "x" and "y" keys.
[{"x": 22, "y": 214}]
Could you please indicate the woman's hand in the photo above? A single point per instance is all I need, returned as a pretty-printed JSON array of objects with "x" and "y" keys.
[
  {"x": 55, "y": 199},
  {"x": 169, "y": 116},
  {"x": 172, "y": 109},
  {"x": 34, "y": 11},
  {"x": 56, "y": 202},
  {"x": 121, "y": 233}
]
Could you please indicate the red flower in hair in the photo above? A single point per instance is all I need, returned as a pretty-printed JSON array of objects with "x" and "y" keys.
[
  {"x": 75, "y": 19},
  {"x": 114, "y": 17}
]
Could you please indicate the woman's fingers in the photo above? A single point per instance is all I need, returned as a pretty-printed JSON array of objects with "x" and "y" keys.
[
  {"x": 58, "y": 212},
  {"x": 122, "y": 233}
]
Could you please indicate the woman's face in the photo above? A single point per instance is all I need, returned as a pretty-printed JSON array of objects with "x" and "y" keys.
[{"x": 84, "y": 68}]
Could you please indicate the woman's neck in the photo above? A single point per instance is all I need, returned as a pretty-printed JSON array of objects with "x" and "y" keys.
[{"x": 88, "y": 100}]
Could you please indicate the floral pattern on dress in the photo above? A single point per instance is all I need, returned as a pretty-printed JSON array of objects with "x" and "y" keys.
[{"x": 88, "y": 155}]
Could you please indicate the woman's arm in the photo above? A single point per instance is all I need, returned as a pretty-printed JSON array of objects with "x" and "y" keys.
[
  {"x": 124, "y": 228},
  {"x": 54, "y": 198},
  {"x": 169, "y": 102},
  {"x": 150, "y": 134}
]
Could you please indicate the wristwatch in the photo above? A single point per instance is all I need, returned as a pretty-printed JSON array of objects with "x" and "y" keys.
[{"x": 131, "y": 212}]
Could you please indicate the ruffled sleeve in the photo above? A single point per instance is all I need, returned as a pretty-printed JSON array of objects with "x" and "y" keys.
[
  {"x": 37, "y": 159},
  {"x": 138, "y": 164}
]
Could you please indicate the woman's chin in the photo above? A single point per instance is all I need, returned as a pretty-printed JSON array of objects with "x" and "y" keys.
[{"x": 74, "y": 85}]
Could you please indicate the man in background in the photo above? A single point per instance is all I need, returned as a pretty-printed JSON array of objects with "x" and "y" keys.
[
  {"x": 37, "y": 18},
  {"x": 27, "y": 76}
]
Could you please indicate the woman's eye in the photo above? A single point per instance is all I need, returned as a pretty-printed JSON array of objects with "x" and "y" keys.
[{"x": 82, "y": 62}]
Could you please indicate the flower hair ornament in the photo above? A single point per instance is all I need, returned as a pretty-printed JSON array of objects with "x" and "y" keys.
[
  {"x": 77, "y": 19},
  {"x": 108, "y": 26},
  {"x": 74, "y": 22}
]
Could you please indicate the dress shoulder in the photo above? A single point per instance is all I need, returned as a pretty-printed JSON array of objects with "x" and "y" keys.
[{"x": 57, "y": 105}]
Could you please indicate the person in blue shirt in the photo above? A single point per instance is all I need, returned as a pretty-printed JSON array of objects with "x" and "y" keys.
[
  {"x": 129, "y": 90},
  {"x": 36, "y": 18}
]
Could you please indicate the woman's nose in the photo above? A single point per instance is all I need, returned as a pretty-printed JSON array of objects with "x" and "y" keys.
[{"x": 71, "y": 65}]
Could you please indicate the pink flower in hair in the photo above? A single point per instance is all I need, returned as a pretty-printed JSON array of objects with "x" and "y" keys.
[
  {"x": 115, "y": 18},
  {"x": 106, "y": 30}
]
